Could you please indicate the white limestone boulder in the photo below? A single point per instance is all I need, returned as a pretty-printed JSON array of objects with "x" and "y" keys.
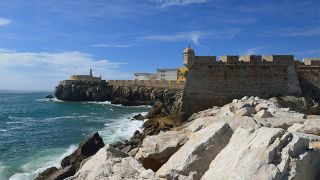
[
  {"x": 266, "y": 153},
  {"x": 310, "y": 126},
  {"x": 110, "y": 163},
  {"x": 194, "y": 157},
  {"x": 157, "y": 149}
]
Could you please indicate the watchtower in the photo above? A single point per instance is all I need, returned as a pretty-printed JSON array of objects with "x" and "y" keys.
[{"x": 188, "y": 56}]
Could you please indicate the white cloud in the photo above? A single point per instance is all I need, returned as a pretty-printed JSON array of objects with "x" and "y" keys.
[
  {"x": 112, "y": 45},
  {"x": 192, "y": 36},
  {"x": 43, "y": 70},
  {"x": 253, "y": 51},
  {"x": 168, "y": 3},
  {"x": 4, "y": 21}
]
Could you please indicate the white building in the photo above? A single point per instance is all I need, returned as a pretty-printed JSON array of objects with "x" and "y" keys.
[
  {"x": 167, "y": 74},
  {"x": 145, "y": 76}
]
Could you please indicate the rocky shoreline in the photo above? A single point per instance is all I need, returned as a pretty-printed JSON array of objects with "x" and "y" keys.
[
  {"x": 116, "y": 94},
  {"x": 250, "y": 137}
]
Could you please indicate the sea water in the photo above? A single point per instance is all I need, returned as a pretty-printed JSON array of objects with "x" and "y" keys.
[{"x": 37, "y": 133}]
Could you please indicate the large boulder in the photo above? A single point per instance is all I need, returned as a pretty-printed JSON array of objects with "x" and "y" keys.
[
  {"x": 85, "y": 150},
  {"x": 194, "y": 157},
  {"x": 157, "y": 149},
  {"x": 266, "y": 153},
  {"x": 71, "y": 163},
  {"x": 110, "y": 163},
  {"x": 310, "y": 126}
]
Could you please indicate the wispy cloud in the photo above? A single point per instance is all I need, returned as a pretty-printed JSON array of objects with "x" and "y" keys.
[
  {"x": 252, "y": 51},
  {"x": 51, "y": 67},
  {"x": 169, "y": 3},
  {"x": 4, "y": 21},
  {"x": 112, "y": 45},
  {"x": 192, "y": 36}
]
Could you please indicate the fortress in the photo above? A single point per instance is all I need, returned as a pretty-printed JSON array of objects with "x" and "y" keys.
[{"x": 216, "y": 83}]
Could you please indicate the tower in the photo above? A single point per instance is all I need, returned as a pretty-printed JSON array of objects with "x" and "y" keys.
[
  {"x": 90, "y": 73},
  {"x": 188, "y": 56}
]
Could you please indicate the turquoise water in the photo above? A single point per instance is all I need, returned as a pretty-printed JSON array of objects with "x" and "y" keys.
[{"x": 36, "y": 133}]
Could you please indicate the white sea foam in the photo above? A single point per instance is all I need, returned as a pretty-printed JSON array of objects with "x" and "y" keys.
[
  {"x": 96, "y": 102},
  {"x": 39, "y": 164},
  {"x": 49, "y": 100},
  {"x": 65, "y": 117},
  {"x": 121, "y": 129}
]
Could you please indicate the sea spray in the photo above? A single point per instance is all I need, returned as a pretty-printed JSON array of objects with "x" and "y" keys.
[
  {"x": 39, "y": 164},
  {"x": 35, "y": 133}
]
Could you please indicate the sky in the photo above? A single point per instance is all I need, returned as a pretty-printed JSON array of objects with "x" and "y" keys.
[{"x": 45, "y": 41}]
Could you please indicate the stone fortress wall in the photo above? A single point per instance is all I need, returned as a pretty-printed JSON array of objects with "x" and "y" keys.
[
  {"x": 216, "y": 83},
  {"x": 177, "y": 85}
]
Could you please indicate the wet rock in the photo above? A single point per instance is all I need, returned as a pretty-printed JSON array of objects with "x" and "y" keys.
[
  {"x": 138, "y": 117},
  {"x": 71, "y": 163},
  {"x": 49, "y": 97},
  {"x": 86, "y": 149}
]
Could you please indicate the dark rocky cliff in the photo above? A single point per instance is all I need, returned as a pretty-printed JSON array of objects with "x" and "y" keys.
[
  {"x": 83, "y": 91},
  {"x": 117, "y": 94}
]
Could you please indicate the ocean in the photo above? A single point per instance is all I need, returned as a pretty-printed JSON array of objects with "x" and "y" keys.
[{"x": 37, "y": 133}]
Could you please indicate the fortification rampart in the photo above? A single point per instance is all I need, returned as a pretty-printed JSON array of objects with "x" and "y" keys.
[
  {"x": 309, "y": 78},
  {"x": 149, "y": 83},
  {"x": 218, "y": 83}
]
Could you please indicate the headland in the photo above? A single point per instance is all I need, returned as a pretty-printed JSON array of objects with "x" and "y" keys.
[{"x": 242, "y": 117}]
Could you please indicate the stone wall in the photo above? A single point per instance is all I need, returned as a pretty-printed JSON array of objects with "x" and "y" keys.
[
  {"x": 218, "y": 83},
  {"x": 150, "y": 83},
  {"x": 309, "y": 78}
]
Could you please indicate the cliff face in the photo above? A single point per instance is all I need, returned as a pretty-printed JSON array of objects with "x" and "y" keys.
[
  {"x": 117, "y": 94},
  {"x": 83, "y": 91}
]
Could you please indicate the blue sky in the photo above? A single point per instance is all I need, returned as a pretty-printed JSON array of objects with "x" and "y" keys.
[{"x": 44, "y": 41}]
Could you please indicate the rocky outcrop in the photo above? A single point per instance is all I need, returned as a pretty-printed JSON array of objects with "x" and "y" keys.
[
  {"x": 72, "y": 163},
  {"x": 110, "y": 163},
  {"x": 157, "y": 149},
  {"x": 83, "y": 91},
  {"x": 194, "y": 157},
  {"x": 267, "y": 153},
  {"x": 250, "y": 138}
]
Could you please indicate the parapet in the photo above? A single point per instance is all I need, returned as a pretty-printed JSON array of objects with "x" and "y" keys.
[
  {"x": 251, "y": 58},
  {"x": 311, "y": 61},
  {"x": 229, "y": 59},
  {"x": 205, "y": 59},
  {"x": 84, "y": 78},
  {"x": 279, "y": 59}
]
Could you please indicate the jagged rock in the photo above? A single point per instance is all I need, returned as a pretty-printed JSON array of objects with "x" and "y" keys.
[
  {"x": 83, "y": 91},
  {"x": 264, "y": 114},
  {"x": 244, "y": 111},
  {"x": 71, "y": 163},
  {"x": 57, "y": 174},
  {"x": 157, "y": 149},
  {"x": 194, "y": 157},
  {"x": 86, "y": 149},
  {"x": 304, "y": 105},
  {"x": 310, "y": 126},
  {"x": 47, "y": 173},
  {"x": 267, "y": 153},
  {"x": 49, "y": 97},
  {"x": 110, "y": 163},
  {"x": 133, "y": 152},
  {"x": 138, "y": 117}
]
